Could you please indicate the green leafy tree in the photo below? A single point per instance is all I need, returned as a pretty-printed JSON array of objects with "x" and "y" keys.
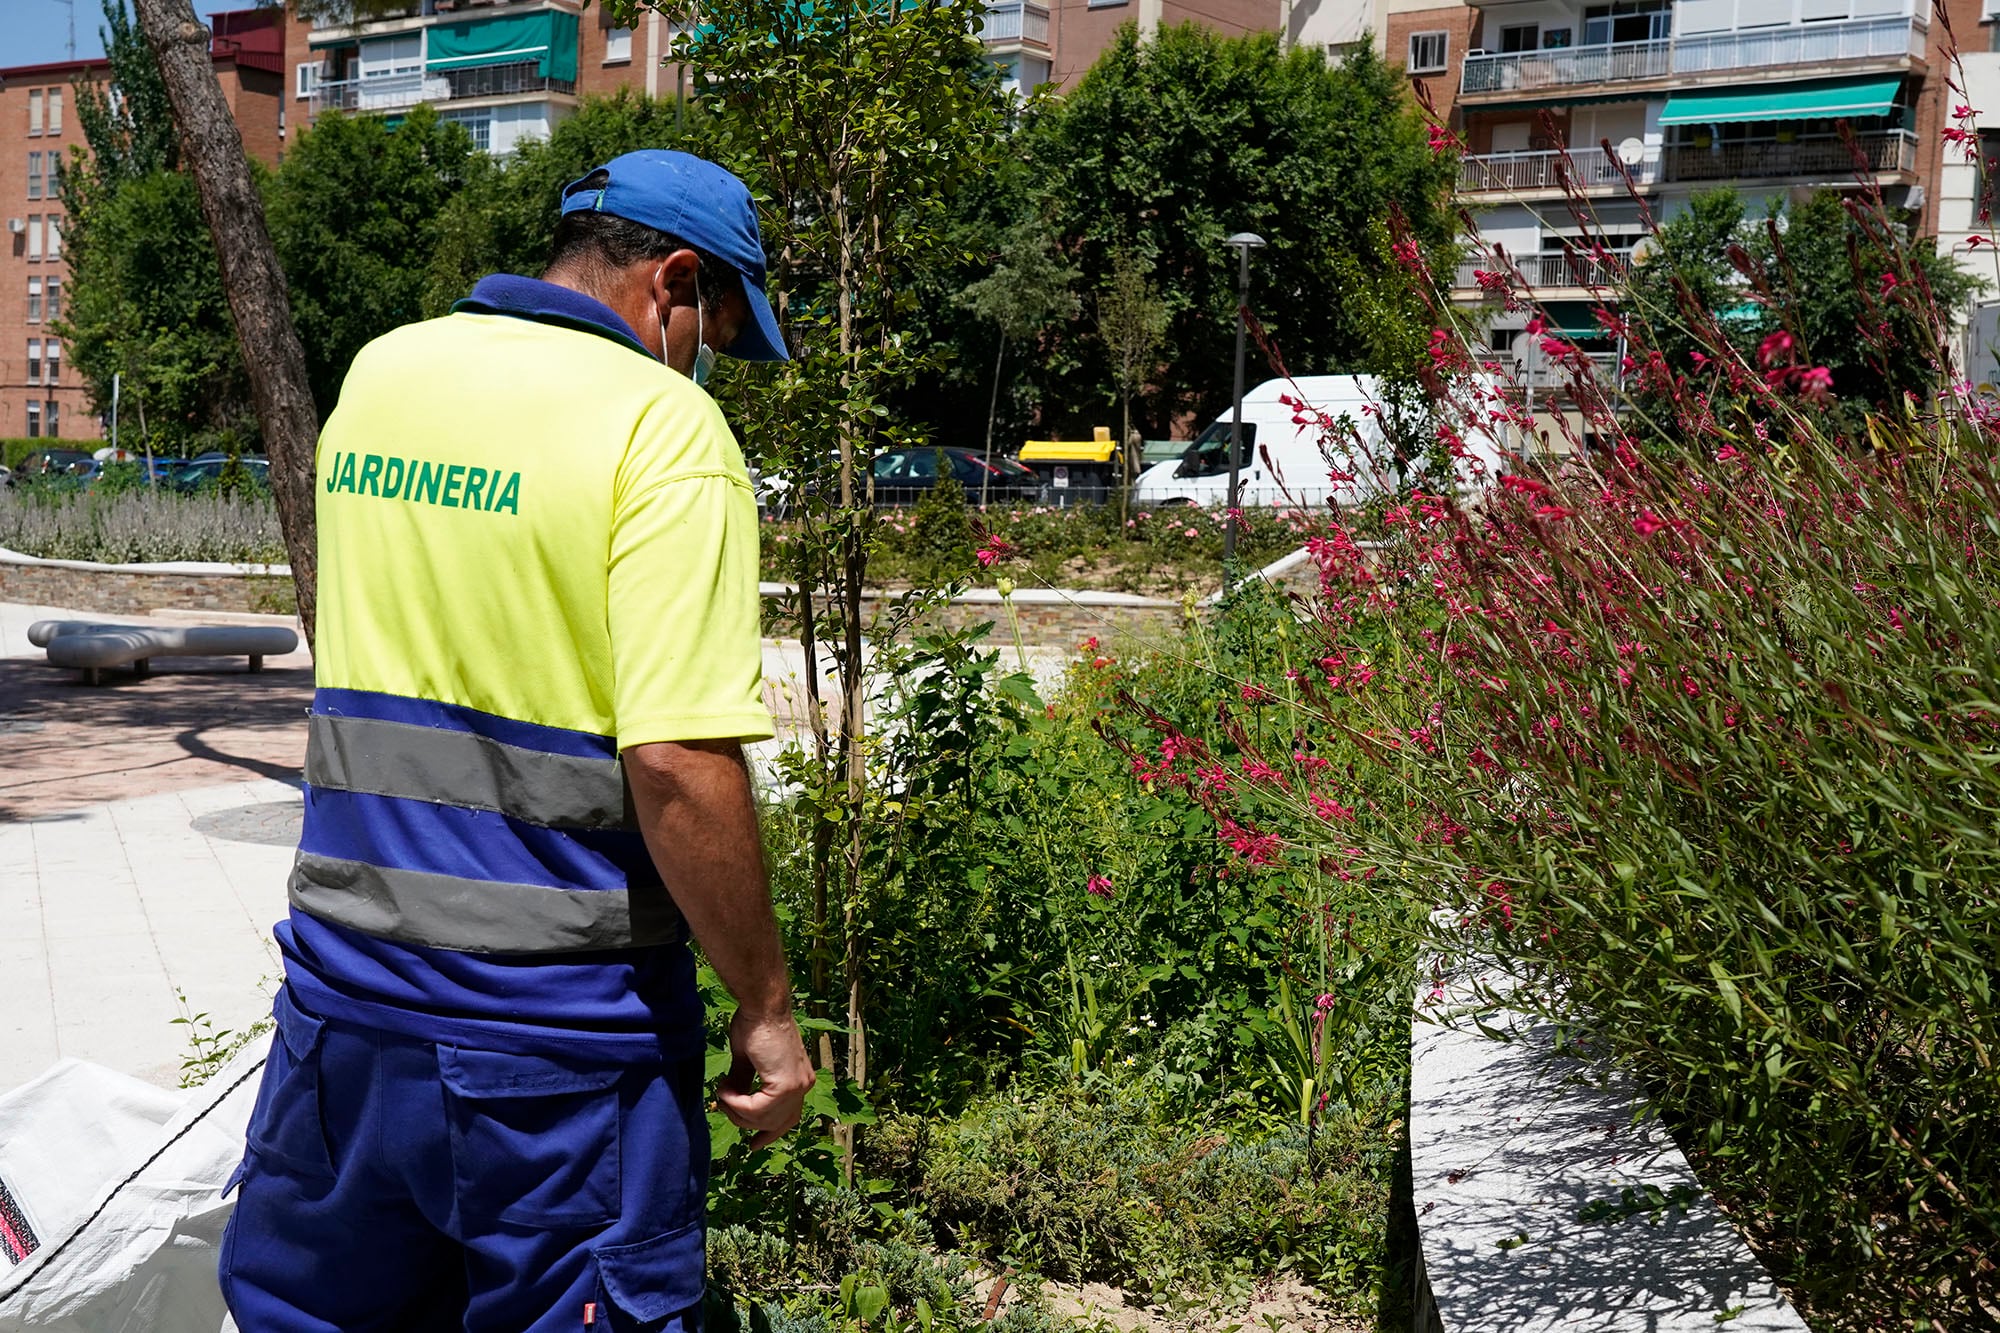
[
  {"x": 1830, "y": 284},
  {"x": 145, "y": 302},
  {"x": 855, "y": 123},
  {"x": 1132, "y": 323},
  {"x": 1028, "y": 288},
  {"x": 1169, "y": 145},
  {"x": 356, "y": 215},
  {"x": 127, "y": 124},
  {"x": 504, "y": 218}
]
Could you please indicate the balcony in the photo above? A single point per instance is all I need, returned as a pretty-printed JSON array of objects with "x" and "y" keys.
[
  {"x": 1561, "y": 268},
  {"x": 1880, "y": 153},
  {"x": 1525, "y": 172},
  {"x": 1892, "y": 39},
  {"x": 1017, "y": 23},
  {"x": 1817, "y": 159},
  {"x": 1543, "y": 373},
  {"x": 400, "y": 92}
]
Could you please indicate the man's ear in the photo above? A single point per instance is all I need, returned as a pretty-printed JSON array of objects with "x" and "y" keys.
[{"x": 674, "y": 282}]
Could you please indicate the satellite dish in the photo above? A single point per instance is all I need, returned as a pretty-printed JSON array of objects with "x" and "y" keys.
[
  {"x": 1642, "y": 252},
  {"x": 1632, "y": 152}
]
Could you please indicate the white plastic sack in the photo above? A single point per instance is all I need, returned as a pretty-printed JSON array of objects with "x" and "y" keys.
[{"x": 123, "y": 1183}]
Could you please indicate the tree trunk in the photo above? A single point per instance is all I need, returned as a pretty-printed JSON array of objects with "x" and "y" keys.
[
  {"x": 992, "y": 411},
  {"x": 213, "y": 149},
  {"x": 1125, "y": 458}
]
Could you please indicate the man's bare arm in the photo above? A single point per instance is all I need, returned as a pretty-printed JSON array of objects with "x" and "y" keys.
[{"x": 699, "y": 817}]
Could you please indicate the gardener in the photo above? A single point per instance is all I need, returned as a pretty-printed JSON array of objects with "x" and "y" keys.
[{"x": 538, "y": 655}]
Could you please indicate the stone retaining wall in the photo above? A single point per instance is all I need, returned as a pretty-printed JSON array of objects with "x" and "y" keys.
[
  {"x": 1046, "y": 617},
  {"x": 128, "y": 593}
]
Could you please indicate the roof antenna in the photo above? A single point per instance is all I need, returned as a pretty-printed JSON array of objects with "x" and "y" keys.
[{"x": 72, "y": 27}]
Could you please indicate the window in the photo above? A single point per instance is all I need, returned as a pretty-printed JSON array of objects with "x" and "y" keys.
[
  {"x": 34, "y": 419},
  {"x": 1555, "y": 39},
  {"x": 34, "y": 112},
  {"x": 1519, "y": 37},
  {"x": 55, "y": 298},
  {"x": 55, "y": 111},
  {"x": 35, "y": 175},
  {"x": 49, "y": 412},
  {"x": 1627, "y": 21},
  {"x": 617, "y": 45},
  {"x": 479, "y": 124},
  {"x": 391, "y": 56},
  {"x": 1104, "y": 4},
  {"x": 55, "y": 236},
  {"x": 34, "y": 360},
  {"x": 1428, "y": 51},
  {"x": 306, "y": 78},
  {"x": 34, "y": 300},
  {"x": 52, "y": 372},
  {"x": 34, "y": 236}
]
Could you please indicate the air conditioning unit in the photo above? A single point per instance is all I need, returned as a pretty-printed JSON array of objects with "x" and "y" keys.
[{"x": 16, "y": 226}]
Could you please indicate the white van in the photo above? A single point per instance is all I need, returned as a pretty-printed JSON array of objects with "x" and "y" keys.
[{"x": 1281, "y": 463}]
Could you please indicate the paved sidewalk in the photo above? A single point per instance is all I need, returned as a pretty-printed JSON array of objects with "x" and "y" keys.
[
  {"x": 107, "y": 909},
  {"x": 146, "y": 834}
]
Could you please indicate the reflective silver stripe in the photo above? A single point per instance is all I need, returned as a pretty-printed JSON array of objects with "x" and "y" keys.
[
  {"x": 366, "y": 754},
  {"x": 477, "y": 915}
]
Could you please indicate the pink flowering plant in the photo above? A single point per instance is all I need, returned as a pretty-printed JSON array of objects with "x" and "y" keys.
[{"x": 1695, "y": 735}]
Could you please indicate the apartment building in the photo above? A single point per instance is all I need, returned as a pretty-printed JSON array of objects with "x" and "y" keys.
[
  {"x": 40, "y": 395},
  {"x": 1676, "y": 96}
]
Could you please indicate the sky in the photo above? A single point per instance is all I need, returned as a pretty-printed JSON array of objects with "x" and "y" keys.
[{"x": 33, "y": 32}]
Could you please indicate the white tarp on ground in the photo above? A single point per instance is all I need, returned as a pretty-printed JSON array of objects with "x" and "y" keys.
[{"x": 123, "y": 1184}]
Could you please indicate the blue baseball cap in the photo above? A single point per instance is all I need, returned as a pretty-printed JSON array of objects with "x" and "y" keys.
[{"x": 682, "y": 195}]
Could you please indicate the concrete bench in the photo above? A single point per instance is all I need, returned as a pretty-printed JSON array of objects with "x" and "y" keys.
[{"x": 93, "y": 647}]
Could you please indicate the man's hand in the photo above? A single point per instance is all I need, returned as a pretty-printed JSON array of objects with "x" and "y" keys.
[
  {"x": 765, "y": 1088},
  {"x": 698, "y": 814}
]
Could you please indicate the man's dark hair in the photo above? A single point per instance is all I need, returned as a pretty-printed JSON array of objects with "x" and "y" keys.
[{"x": 594, "y": 246}]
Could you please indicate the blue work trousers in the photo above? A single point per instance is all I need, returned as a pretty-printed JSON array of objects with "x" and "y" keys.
[{"x": 398, "y": 1184}]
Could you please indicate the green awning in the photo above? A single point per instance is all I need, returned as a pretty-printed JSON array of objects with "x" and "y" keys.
[
  {"x": 548, "y": 39},
  {"x": 1822, "y": 99}
]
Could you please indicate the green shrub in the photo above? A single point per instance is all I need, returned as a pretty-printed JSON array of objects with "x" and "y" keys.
[
  {"x": 940, "y": 538},
  {"x": 139, "y": 525},
  {"x": 1083, "y": 1188}
]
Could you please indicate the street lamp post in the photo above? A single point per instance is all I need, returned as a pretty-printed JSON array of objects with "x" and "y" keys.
[{"x": 1243, "y": 242}]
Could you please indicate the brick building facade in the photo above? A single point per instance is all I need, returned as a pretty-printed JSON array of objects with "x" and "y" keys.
[{"x": 41, "y": 395}]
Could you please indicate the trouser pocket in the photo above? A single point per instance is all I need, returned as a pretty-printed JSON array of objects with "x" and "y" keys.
[
  {"x": 534, "y": 1140},
  {"x": 645, "y": 1284},
  {"x": 286, "y": 1124}
]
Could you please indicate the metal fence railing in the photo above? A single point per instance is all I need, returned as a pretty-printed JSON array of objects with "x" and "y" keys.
[
  {"x": 1543, "y": 169},
  {"x": 1705, "y": 53},
  {"x": 1017, "y": 21},
  {"x": 1753, "y": 159}
]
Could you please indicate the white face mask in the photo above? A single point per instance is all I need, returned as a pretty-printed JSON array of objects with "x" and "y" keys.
[{"x": 704, "y": 357}]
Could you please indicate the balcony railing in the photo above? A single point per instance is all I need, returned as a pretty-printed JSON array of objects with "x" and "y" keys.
[
  {"x": 1757, "y": 159},
  {"x": 1613, "y": 63},
  {"x": 1563, "y": 268},
  {"x": 1752, "y": 159},
  {"x": 399, "y": 92},
  {"x": 1542, "y": 372},
  {"x": 1588, "y": 168},
  {"x": 1811, "y": 44},
  {"x": 1619, "y": 62},
  {"x": 1018, "y": 21}
]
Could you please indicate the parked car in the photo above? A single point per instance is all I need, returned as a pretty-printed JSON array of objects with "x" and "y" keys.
[
  {"x": 903, "y": 476},
  {"x": 206, "y": 471},
  {"x": 52, "y": 463}
]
